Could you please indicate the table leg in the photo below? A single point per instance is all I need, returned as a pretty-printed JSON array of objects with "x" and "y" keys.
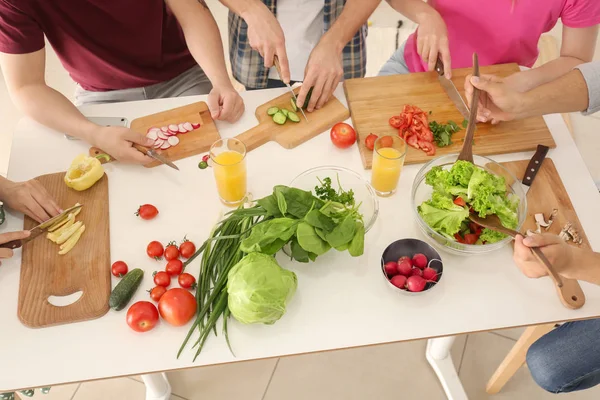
[
  {"x": 157, "y": 386},
  {"x": 438, "y": 356}
]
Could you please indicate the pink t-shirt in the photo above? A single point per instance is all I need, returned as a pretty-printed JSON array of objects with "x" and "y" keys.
[{"x": 500, "y": 33}]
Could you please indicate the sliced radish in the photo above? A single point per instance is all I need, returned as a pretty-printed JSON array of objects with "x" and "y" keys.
[
  {"x": 153, "y": 129},
  {"x": 152, "y": 135},
  {"x": 195, "y": 125},
  {"x": 158, "y": 143},
  {"x": 165, "y": 145},
  {"x": 188, "y": 126},
  {"x": 164, "y": 128},
  {"x": 182, "y": 129},
  {"x": 170, "y": 133},
  {"x": 174, "y": 128},
  {"x": 173, "y": 140},
  {"x": 163, "y": 135}
]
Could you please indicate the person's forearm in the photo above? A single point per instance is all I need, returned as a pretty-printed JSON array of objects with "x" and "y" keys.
[
  {"x": 548, "y": 72},
  {"x": 243, "y": 8},
  {"x": 353, "y": 16},
  {"x": 415, "y": 10},
  {"x": 586, "y": 267}
]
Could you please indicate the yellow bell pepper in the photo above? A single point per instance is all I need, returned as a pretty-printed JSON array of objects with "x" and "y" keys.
[
  {"x": 83, "y": 172},
  {"x": 72, "y": 241}
]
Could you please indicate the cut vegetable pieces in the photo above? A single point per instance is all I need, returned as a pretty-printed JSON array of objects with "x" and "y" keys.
[
  {"x": 165, "y": 145},
  {"x": 272, "y": 111},
  {"x": 284, "y": 111},
  {"x": 162, "y": 135},
  {"x": 292, "y": 116},
  {"x": 55, "y": 235},
  {"x": 174, "y": 128},
  {"x": 173, "y": 140},
  {"x": 153, "y": 134},
  {"x": 188, "y": 126},
  {"x": 294, "y": 106},
  {"x": 62, "y": 223},
  {"x": 158, "y": 143},
  {"x": 164, "y": 129},
  {"x": 196, "y": 125},
  {"x": 182, "y": 128},
  {"x": 63, "y": 237},
  {"x": 279, "y": 118},
  {"x": 72, "y": 241}
]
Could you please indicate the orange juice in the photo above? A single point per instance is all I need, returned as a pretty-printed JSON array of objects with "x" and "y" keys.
[
  {"x": 387, "y": 165},
  {"x": 230, "y": 174}
]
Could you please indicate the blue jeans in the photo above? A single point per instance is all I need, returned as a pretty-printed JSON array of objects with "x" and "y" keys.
[
  {"x": 396, "y": 64},
  {"x": 568, "y": 358}
]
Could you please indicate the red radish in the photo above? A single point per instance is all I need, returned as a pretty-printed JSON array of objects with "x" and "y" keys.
[
  {"x": 405, "y": 268},
  {"x": 430, "y": 274},
  {"x": 416, "y": 271},
  {"x": 158, "y": 143},
  {"x": 195, "y": 125},
  {"x": 399, "y": 281},
  {"x": 173, "y": 140},
  {"x": 152, "y": 135},
  {"x": 174, "y": 128},
  {"x": 188, "y": 127},
  {"x": 152, "y": 129},
  {"x": 165, "y": 146},
  {"x": 419, "y": 260},
  {"x": 391, "y": 268},
  {"x": 182, "y": 128},
  {"x": 163, "y": 135},
  {"x": 405, "y": 258},
  {"x": 415, "y": 283},
  {"x": 164, "y": 129}
]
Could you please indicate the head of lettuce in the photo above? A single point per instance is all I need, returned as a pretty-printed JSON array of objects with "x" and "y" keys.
[{"x": 259, "y": 289}]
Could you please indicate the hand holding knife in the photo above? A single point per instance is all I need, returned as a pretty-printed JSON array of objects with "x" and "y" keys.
[
  {"x": 451, "y": 90},
  {"x": 278, "y": 67}
]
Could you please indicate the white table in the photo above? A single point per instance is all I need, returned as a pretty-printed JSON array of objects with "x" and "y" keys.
[{"x": 341, "y": 302}]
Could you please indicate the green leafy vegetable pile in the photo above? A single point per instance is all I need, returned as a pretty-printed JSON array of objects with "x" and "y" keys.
[
  {"x": 442, "y": 133},
  {"x": 460, "y": 188}
]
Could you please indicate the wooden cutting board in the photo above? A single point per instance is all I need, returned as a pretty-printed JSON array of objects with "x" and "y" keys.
[
  {"x": 86, "y": 268},
  {"x": 373, "y": 101},
  {"x": 191, "y": 143},
  {"x": 292, "y": 134}
]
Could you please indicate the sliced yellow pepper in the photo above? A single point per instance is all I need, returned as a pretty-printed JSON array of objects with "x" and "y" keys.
[
  {"x": 53, "y": 236},
  {"x": 70, "y": 217},
  {"x": 84, "y": 172},
  {"x": 69, "y": 232},
  {"x": 69, "y": 244}
]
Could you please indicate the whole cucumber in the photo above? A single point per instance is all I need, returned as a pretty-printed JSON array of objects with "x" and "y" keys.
[{"x": 125, "y": 289}]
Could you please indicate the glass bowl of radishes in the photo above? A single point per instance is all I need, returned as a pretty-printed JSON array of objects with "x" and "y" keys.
[{"x": 411, "y": 266}]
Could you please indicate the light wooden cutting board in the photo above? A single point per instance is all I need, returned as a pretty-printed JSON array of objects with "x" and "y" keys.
[
  {"x": 373, "y": 101},
  {"x": 86, "y": 268}
]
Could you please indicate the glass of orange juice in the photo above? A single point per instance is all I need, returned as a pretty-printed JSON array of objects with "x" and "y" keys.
[
  {"x": 388, "y": 159},
  {"x": 228, "y": 158}
]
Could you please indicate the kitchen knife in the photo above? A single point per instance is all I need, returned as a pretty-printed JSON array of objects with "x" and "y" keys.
[
  {"x": 155, "y": 155},
  {"x": 278, "y": 67},
  {"x": 450, "y": 90},
  {"x": 534, "y": 166},
  {"x": 41, "y": 228}
]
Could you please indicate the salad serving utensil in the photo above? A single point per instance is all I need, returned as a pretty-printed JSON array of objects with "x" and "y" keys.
[{"x": 466, "y": 153}]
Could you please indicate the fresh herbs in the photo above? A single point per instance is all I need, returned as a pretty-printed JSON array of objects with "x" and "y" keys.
[
  {"x": 326, "y": 192},
  {"x": 442, "y": 133}
]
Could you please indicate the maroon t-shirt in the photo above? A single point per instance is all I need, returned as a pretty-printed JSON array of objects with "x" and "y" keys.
[{"x": 103, "y": 44}]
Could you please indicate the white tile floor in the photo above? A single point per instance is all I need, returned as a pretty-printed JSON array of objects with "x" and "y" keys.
[{"x": 395, "y": 371}]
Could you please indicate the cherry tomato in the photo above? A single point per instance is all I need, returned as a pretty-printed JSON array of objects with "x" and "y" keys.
[
  {"x": 171, "y": 252},
  {"x": 119, "y": 269},
  {"x": 370, "y": 141},
  {"x": 471, "y": 238},
  {"x": 155, "y": 250},
  {"x": 187, "y": 249},
  {"x": 174, "y": 267},
  {"x": 147, "y": 211},
  {"x": 142, "y": 316},
  {"x": 386, "y": 141},
  {"x": 459, "y": 201},
  {"x": 157, "y": 292},
  {"x": 161, "y": 278},
  {"x": 186, "y": 281},
  {"x": 396, "y": 121},
  {"x": 177, "y": 306},
  {"x": 342, "y": 135}
]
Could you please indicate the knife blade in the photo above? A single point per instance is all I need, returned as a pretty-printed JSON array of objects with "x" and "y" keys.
[
  {"x": 534, "y": 166},
  {"x": 155, "y": 155},
  {"x": 451, "y": 90},
  {"x": 278, "y": 67},
  {"x": 41, "y": 228}
]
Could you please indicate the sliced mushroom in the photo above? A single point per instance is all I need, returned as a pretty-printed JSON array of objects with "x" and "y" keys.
[
  {"x": 551, "y": 218},
  {"x": 540, "y": 220},
  {"x": 564, "y": 233}
]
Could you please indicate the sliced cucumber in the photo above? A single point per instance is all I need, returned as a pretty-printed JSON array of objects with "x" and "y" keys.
[
  {"x": 294, "y": 106},
  {"x": 284, "y": 111},
  {"x": 292, "y": 116},
  {"x": 272, "y": 110},
  {"x": 279, "y": 118}
]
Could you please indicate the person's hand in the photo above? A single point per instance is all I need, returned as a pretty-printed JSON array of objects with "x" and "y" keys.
[
  {"x": 323, "y": 72},
  {"x": 558, "y": 252},
  {"x": 498, "y": 100},
  {"x": 266, "y": 36},
  {"x": 432, "y": 39},
  {"x": 117, "y": 141},
  {"x": 9, "y": 237},
  {"x": 225, "y": 103},
  {"x": 30, "y": 198}
]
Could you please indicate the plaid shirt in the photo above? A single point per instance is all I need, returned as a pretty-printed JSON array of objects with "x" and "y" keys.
[{"x": 248, "y": 66}]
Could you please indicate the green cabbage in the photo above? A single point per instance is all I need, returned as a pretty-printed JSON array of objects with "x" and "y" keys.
[{"x": 259, "y": 289}]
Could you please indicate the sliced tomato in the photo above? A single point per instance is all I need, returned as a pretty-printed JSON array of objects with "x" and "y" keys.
[
  {"x": 396, "y": 121},
  {"x": 459, "y": 201},
  {"x": 426, "y": 135},
  {"x": 471, "y": 238},
  {"x": 409, "y": 119},
  {"x": 476, "y": 229},
  {"x": 427, "y": 147},
  {"x": 459, "y": 238},
  {"x": 412, "y": 141},
  {"x": 370, "y": 141}
]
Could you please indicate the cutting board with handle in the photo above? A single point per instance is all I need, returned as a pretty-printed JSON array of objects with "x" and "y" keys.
[
  {"x": 46, "y": 276},
  {"x": 373, "y": 101},
  {"x": 292, "y": 134},
  {"x": 191, "y": 143}
]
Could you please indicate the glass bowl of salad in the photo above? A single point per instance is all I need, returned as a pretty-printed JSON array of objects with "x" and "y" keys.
[
  {"x": 342, "y": 185},
  {"x": 445, "y": 190}
]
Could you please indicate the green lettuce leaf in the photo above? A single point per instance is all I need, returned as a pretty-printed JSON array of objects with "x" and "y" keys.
[{"x": 445, "y": 221}]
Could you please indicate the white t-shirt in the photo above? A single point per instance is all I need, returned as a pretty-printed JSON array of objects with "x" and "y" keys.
[{"x": 303, "y": 26}]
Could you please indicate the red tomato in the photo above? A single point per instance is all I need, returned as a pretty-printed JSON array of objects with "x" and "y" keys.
[
  {"x": 427, "y": 147},
  {"x": 142, "y": 316},
  {"x": 147, "y": 211},
  {"x": 412, "y": 141},
  {"x": 370, "y": 141},
  {"x": 155, "y": 250},
  {"x": 171, "y": 252},
  {"x": 476, "y": 229},
  {"x": 459, "y": 201},
  {"x": 187, "y": 249},
  {"x": 471, "y": 238},
  {"x": 396, "y": 121},
  {"x": 157, "y": 292},
  {"x": 459, "y": 238},
  {"x": 177, "y": 306},
  {"x": 186, "y": 281},
  {"x": 174, "y": 267},
  {"x": 386, "y": 141},
  {"x": 425, "y": 134},
  {"x": 342, "y": 135},
  {"x": 119, "y": 269},
  {"x": 161, "y": 278}
]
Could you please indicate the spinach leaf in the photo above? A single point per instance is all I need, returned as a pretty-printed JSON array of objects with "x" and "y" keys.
[
  {"x": 298, "y": 253},
  {"x": 264, "y": 234},
  {"x": 343, "y": 247},
  {"x": 357, "y": 245},
  {"x": 269, "y": 203},
  {"x": 299, "y": 202},
  {"x": 281, "y": 203},
  {"x": 320, "y": 233},
  {"x": 312, "y": 256},
  {"x": 343, "y": 233},
  {"x": 272, "y": 248},
  {"x": 310, "y": 241},
  {"x": 319, "y": 220}
]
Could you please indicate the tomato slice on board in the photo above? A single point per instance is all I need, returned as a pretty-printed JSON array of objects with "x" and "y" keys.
[
  {"x": 396, "y": 121},
  {"x": 459, "y": 201},
  {"x": 471, "y": 238},
  {"x": 412, "y": 141},
  {"x": 427, "y": 147},
  {"x": 426, "y": 135},
  {"x": 370, "y": 141}
]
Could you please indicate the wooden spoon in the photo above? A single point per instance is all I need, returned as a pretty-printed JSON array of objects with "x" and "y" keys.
[
  {"x": 466, "y": 154},
  {"x": 569, "y": 291}
]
